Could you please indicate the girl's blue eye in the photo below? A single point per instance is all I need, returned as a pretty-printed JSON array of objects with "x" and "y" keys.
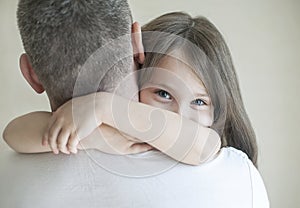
[
  {"x": 164, "y": 94},
  {"x": 198, "y": 102}
]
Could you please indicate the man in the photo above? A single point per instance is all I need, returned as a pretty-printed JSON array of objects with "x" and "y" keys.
[{"x": 92, "y": 178}]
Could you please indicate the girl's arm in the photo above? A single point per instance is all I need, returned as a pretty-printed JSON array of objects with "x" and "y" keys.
[
  {"x": 24, "y": 135},
  {"x": 176, "y": 136}
]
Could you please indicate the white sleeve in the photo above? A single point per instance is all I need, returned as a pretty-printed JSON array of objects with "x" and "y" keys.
[{"x": 259, "y": 193}]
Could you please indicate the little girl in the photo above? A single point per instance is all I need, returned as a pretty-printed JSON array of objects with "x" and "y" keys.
[
  {"x": 196, "y": 79},
  {"x": 204, "y": 49}
]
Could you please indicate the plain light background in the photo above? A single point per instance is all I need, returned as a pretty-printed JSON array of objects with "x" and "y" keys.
[{"x": 263, "y": 37}]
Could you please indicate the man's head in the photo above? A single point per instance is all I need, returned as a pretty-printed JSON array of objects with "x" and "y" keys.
[{"x": 59, "y": 36}]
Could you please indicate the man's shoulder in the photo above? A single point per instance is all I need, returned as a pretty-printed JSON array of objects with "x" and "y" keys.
[
  {"x": 233, "y": 157},
  {"x": 234, "y": 154}
]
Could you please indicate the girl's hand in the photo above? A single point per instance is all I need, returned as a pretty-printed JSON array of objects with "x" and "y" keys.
[{"x": 70, "y": 123}]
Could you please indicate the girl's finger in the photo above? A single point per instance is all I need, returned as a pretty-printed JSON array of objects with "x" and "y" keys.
[
  {"x": 140, "y": 147},
  {"x": 72, "y": 143},
  {"x": 45, "y": 139},
  {"x": 52, "y": 136},
  {"x": 62, "y": 141}
]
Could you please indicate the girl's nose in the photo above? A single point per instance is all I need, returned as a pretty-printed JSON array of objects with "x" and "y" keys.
[{"x": 186, "y": 111}]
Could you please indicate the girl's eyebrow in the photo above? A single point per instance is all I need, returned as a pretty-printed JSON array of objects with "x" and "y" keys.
[
  {"x": 165, "y": 86},
  {"x": 204, "y": 94}
]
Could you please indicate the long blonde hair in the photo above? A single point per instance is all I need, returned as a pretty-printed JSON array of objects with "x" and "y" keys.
[{"x": 212, "y": 62}]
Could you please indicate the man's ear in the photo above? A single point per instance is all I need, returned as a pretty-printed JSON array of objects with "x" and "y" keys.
[
  {"x": 138, "y": 48},
  {"x": 29, "y": 74}
]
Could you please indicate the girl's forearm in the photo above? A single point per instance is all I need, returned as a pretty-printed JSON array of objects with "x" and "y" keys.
[
  {"x": 24, "y": 135},
  {"x": 178, "y": 137}
]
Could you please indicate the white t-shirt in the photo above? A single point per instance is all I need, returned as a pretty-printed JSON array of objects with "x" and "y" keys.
[{"x": 150, "y": 179}]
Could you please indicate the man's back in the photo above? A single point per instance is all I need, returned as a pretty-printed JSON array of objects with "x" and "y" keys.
[{"x": 150, "y": 179}]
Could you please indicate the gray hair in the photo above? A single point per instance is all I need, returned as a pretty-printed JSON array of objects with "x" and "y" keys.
[
  {"x": 59, "y": 36},
  {"x": 206, "y": 51}
]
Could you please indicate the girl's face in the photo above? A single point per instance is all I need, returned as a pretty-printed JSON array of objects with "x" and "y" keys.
[{"x": 175, "y": 87}]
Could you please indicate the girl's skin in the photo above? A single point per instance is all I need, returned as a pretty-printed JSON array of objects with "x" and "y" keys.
[{"x": 24, "y": 134}]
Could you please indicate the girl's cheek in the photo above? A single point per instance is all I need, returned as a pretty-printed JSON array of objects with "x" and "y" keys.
[
  {"x": 205, "y": 119},
  {"x": 147, "y": 99},
  {"x": 160, "y": 105},
  {"x": 170, "y": 106}
]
